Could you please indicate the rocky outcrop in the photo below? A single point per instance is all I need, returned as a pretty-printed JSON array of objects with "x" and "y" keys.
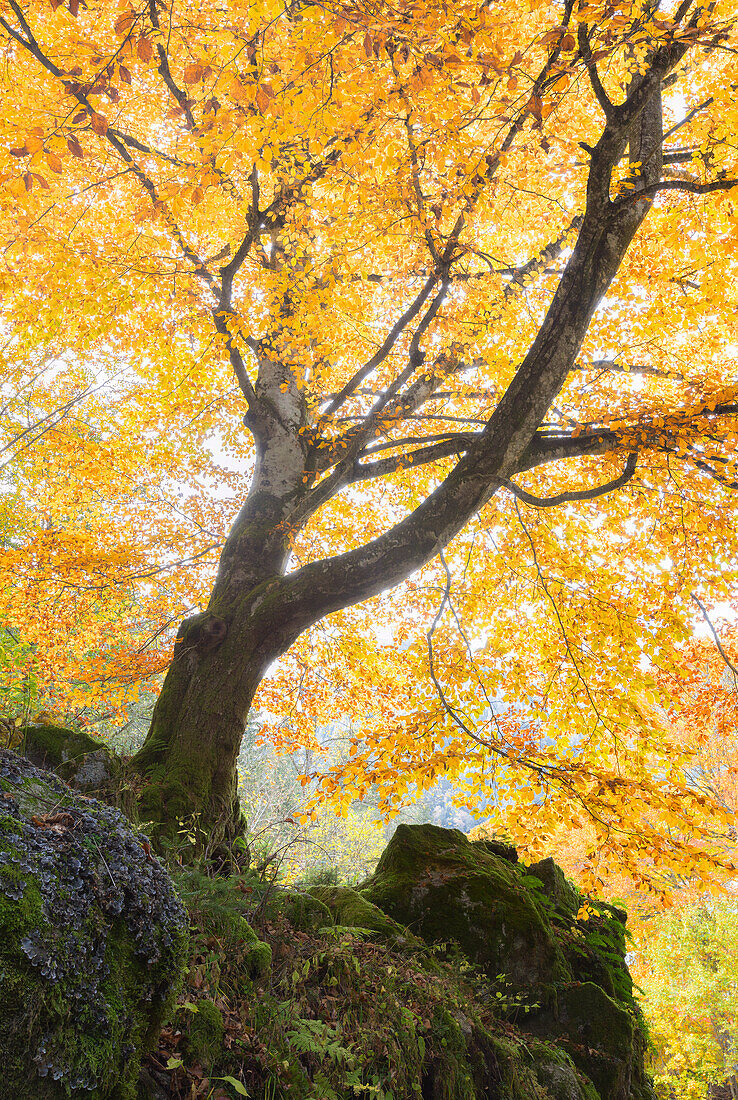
[
  {"x": 92, "y": 941},
  {"x": 454, "y": 973},
  {"x": 564, "y": 975},
  {"x": 446, "y": 889}
]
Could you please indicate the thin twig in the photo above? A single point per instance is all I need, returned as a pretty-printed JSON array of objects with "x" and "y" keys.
[
  {"x": 715, "y": 635},
  {"x": 562, "y": 628}
]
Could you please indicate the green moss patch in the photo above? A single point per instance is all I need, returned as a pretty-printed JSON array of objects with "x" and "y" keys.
[
  {"x": 349, "y": 909},
  {"x": 445, "y": 888},
  {"x": 82, "y": 761}
]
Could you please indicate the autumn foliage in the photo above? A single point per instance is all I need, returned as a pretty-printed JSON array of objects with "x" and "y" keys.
[{"x": 379, "y": 281}]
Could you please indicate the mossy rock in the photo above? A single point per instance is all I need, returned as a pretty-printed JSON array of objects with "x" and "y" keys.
[
  {"x": 303, "y": 911},
  {"x": 529, "y": 1069},
  {"x": 220, "y": 907},
  {"x": 205, "y": 1033},
  {"x": 444, "y": 888},
  {"x": 603, "y": 1038},
  {"x": 83, "y": 762},
  {"x": 463, "y": 1065},
  {"x": 93, "y": 942},
  {"x": 558, "y": 1075},
  {"x": 498, "y": 847},
  {"x": 563, "y": 896},
  {"x": 594, "y": 948},
  {"x": 568, "y": 974},
  {"x": 350, "y": 910}
]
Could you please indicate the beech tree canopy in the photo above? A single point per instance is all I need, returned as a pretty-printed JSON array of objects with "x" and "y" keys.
[{"x": 305, "y": 302}]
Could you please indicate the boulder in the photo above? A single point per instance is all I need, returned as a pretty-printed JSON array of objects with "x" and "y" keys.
[
  {"x": 83, "y": 762},
  {"x": 564, "y": 978},
  {"x": 446, "y": 888},
  {"x": 349, "y": 909},
  {"x": 93, "y": 941}
]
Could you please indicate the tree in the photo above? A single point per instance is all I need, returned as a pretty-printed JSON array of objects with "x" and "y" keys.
[
  {"x": 689, "y": 961},
  {"x": 440, "y": 248}
]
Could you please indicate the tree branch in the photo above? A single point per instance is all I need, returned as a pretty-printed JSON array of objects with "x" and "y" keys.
[
  {"x": 608, "y": 107},
  {"x": 453, "y": 445},
  {"x": 31, "y": 45},
  {"x": 384, "y": 350},
  {"x": 166, "y": 74},
  {"x": 229, "y": 271},
  {"x": 540, "y": 262},
  {"x": 506, "y": 443},
  {"x": 239, "y": 367},
  {"x": 678, "y": 185},
  {"x": 578, "y": 494},
  {"x": 610, "y": 365}
]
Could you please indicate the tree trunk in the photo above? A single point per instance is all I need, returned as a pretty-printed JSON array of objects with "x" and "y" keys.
[
  {"x": 189, "y": 758},
  {"x": 188, "y": 761}
]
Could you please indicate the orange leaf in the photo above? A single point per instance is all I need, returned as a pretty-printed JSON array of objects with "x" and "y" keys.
[
  {"x": 144, "y": 49},
  {"x": 124, "y": 23},
  {"x": 192, "y": 73},
  {"x": 99, "y": 124},
  {"x": 264, "y": 96},
  {"x": 17, "y": 187}
]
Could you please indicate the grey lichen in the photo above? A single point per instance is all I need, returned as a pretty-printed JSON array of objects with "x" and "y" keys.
[{"x": 92, "y": 941}]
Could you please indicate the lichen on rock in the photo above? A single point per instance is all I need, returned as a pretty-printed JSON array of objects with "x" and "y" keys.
[{"x": 92, "y": 941}]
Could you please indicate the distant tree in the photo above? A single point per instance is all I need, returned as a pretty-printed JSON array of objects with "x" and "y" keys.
[{"x": 687, "y": 965}]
